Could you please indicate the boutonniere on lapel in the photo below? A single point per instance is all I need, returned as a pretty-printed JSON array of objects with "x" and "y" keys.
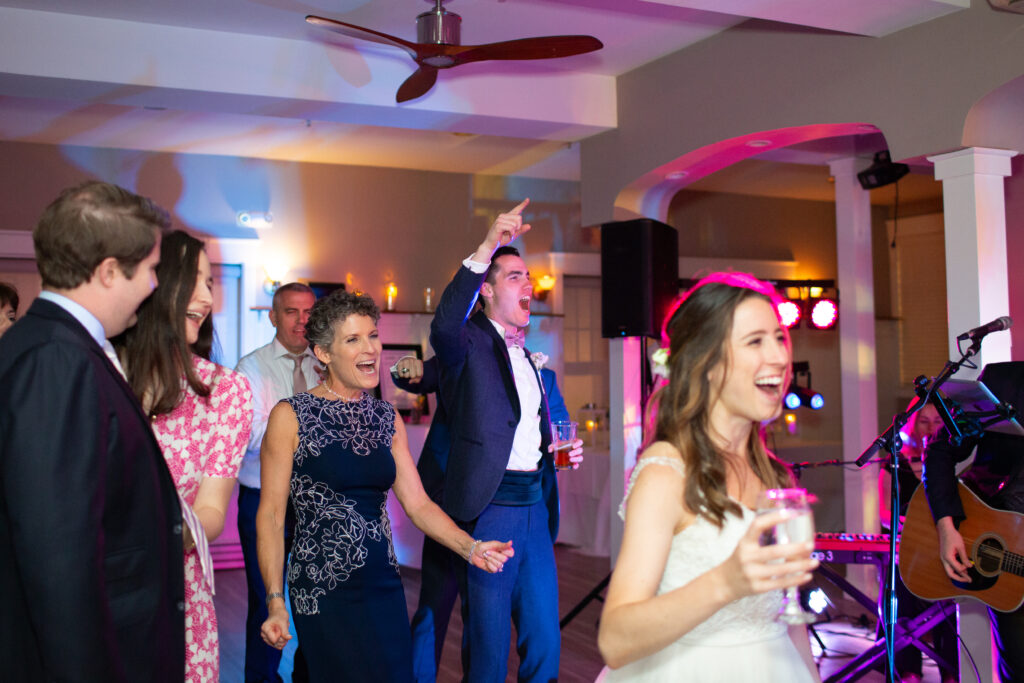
[{"x": 538, "y": 359}]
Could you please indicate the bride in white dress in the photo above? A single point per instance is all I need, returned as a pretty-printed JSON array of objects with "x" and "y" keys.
[{"x": 693, "y": 596}]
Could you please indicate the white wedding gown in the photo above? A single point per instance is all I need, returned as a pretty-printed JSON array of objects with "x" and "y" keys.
[{"x": 740, "y": 642}]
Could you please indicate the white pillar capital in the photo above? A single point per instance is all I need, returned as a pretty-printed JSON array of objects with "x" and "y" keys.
[
  {"x": 972, "y": 161},
  {"x": 977, "y": 282}
]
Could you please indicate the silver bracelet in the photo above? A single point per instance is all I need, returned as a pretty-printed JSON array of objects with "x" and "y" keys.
[
  {"x": 271, "y": 596},
  {"x": 472, "y": 549}
]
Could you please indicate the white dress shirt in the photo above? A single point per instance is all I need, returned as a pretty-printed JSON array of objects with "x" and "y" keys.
[
  {"x": 269, "y": 371},
  {"x": 525, "y": 455}
]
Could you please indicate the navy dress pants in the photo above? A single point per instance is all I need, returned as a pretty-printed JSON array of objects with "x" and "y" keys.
[{"x": 525, "y": 594}]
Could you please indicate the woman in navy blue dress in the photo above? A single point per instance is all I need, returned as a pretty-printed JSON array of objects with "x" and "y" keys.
[{"x": 337, "y": 451}]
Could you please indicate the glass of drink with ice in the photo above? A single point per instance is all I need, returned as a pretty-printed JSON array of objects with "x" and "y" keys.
[
  {"x": 563, "y": 434},
  {"x": 798, "y": 527}
]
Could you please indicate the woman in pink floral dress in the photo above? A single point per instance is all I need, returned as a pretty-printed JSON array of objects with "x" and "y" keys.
[{"x": 201, "y": 414}]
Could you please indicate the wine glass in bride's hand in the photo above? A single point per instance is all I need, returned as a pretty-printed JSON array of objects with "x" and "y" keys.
[{"x": 797, "y": 527}]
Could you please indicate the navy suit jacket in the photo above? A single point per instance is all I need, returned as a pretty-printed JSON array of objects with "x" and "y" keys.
[
  {"x": 91, "y": 562},
  {"x": 481, "y": 404},
  {"x": 434, "y": 457}
]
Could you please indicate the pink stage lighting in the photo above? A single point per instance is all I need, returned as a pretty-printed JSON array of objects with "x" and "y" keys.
[
  {"x": 824, "y": 313},
  {"x": 789, "y": 312}
]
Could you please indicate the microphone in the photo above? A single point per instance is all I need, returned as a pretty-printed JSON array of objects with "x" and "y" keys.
[{"x": 997, "y": 325}]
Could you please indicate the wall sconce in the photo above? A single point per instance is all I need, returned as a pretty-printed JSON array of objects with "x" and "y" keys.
[
  {"x": 274, "y": 273},
  {"x": 391, "y": 295},
  {"x": 258, "y": 220},
  {"x": 545, "y": 283}
]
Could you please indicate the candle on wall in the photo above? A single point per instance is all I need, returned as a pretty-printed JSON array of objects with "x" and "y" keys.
[{"x": 392, "y": 294}]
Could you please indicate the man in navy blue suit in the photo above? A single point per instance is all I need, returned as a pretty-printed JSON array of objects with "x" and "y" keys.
[
  {"x": 439, "y": 579},
  {"x": 500, "y": 480}
]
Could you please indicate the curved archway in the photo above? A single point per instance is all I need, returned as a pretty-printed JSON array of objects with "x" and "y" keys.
[{"x": 649, "y": 195}]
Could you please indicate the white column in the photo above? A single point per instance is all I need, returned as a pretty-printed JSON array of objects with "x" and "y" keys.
[
  {"x": 856, "y": 353},
  {"x": 625, "y": 428},
  {"x": 977, "y": 291},
  {"x": 977, "y": 285}
]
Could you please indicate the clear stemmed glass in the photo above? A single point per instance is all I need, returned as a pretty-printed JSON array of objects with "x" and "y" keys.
[{"x": 798, "y": 527}]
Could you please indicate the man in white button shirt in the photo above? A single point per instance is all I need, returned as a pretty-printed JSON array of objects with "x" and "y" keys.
[
  {"x": 283, "y": 367},
  {"x": 500, "y": 477}
]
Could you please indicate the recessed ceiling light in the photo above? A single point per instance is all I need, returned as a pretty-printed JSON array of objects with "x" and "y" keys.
[
  {"x": 759, "y": 143},
  {"x": 676, "y": 175}
]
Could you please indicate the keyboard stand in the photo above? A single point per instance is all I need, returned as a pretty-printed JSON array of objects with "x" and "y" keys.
[{"x": 908, "y": 633}]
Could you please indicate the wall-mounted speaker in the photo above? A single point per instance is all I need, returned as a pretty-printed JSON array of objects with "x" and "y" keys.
[{"x": 639, "y": 276}]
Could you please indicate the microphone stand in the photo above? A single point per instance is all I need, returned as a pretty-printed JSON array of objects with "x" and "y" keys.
[{"x": 891, "y": 442}]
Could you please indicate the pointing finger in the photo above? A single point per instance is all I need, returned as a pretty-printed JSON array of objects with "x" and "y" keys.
[{"x": 519, "y": 207}]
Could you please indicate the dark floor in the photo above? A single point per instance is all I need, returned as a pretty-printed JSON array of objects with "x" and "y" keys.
[
  {"x": 578, "y": 574},
  {"x": 580, "y": 661}
]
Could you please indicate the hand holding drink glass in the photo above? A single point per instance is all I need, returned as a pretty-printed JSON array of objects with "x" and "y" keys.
[
  {"x": 568, "y": 450},
  {"x": 797, "y": 526}
]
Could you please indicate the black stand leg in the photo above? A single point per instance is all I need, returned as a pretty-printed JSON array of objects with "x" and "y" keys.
[{"x": 595, "y": 594}]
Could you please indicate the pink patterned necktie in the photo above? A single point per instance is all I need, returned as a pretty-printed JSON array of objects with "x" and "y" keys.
[
  {"x": 188, "y": 515},
  {"x": 515, "y": 338}
]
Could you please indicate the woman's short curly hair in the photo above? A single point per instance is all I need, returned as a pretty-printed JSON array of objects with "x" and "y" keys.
[{"x": 334, "y": 309}]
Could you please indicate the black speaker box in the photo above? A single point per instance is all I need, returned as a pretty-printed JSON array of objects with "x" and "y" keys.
[{"x": 639, "y": 276}]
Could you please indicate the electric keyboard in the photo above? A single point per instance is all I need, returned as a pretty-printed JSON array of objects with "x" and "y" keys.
[{"x": 843, "y": 548}]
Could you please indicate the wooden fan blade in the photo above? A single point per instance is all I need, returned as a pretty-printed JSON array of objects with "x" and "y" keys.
[
  {"x": 546, "y": 47},
  {"x": 418, "y": 84},
  {"x": 353, "y": 31}
]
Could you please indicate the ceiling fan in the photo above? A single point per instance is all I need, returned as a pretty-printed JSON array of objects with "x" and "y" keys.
[{"x": 437, "y": 31}]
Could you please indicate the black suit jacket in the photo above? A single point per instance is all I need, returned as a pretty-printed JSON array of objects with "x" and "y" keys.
[
  {"x": 997, "y": 474},
  {"x": 91, "y": 563},
  {"x": 482, "y": 405}
]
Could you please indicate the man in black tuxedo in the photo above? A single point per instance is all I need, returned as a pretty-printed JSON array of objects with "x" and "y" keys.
[
  {"x": 91, "y": 557},
  {"x": 997, "y": 476}
]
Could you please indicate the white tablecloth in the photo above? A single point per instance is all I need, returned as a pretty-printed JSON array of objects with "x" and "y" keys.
[
  {"x": 586, "y": 501},
  {"x": 408, "y": 540},
  {"x": 583, "y": 493}
]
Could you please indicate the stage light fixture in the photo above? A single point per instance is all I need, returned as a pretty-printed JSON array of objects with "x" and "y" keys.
[
  {"x": 803, "y": 397},
  {"x": 823, "y": 313},
  {"x": 789, "y": 313}
]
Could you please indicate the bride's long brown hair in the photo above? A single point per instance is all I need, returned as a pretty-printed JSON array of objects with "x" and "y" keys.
[{"x": 698, "y": 332}]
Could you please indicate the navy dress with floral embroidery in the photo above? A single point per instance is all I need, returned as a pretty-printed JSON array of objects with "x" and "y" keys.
[{"x": 343, "y": 579}]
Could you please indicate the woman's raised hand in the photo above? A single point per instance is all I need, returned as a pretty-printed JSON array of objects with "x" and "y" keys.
[
  {"x": 491, "y": 556},
  {"x": 754, "y": 568},
  {"x": 275, "y": 628}
]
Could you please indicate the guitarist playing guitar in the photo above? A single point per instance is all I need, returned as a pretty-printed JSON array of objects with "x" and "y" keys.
[{"x": 997, "y": 476}]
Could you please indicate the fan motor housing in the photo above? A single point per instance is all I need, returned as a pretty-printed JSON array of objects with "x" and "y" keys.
[{"x": 438, "y": 26}]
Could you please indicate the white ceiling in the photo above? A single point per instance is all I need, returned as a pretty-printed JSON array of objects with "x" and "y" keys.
[{"x": 251, "y": 78}]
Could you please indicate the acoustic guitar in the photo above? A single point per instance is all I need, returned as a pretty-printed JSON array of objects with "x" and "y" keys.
[{"x": 994, "y": 540}]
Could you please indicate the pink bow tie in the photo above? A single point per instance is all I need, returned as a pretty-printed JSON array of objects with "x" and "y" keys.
[{"x": 515, "y": 338}]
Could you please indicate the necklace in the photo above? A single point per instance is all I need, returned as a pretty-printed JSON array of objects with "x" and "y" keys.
[{"x": 339, "y": 396}]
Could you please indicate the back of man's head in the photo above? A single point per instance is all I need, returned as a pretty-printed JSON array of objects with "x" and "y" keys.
[{"x": 89, "y": 223}]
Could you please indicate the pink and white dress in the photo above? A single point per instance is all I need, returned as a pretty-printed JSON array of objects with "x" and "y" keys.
[{"x": 204, "y": 437}]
